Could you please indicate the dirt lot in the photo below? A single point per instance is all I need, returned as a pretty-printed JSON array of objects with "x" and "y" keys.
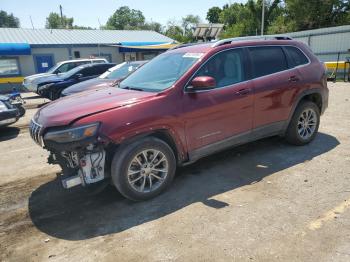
[{"x": 265, "y": 201}]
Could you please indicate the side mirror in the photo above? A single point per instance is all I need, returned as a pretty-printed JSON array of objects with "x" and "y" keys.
[
  {"x": 202, "y": 82},
  {"x": 78, "y": 76}
]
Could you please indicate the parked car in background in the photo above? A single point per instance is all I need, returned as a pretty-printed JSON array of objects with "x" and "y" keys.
[
  {"x": 110, "y": 77},
  {"x": 54, "y": 85},
  {"x": 181, "y": 106},
  {"x": 31, "y": 82},
  {"x": 11, "y": 108}
]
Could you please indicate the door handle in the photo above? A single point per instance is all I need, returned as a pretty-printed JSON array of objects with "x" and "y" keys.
[
  {"x": 293, "y": 79},
  {"x": 243, "y": 92}
]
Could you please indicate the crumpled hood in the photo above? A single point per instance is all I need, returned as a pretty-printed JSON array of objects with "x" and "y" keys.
[{"x": 65, "y": 110}]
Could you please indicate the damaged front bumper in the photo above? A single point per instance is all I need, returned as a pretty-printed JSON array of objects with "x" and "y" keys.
[
  {"x": 82, "y": 167},
  {"x": 80, "y": 152}
]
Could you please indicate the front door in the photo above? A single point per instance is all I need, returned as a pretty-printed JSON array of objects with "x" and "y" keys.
[
  {"x": 222, "y": 112},
  {"x": 43, "y": 63}
]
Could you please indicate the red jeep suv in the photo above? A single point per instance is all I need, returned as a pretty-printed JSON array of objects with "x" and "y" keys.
[{"x": 185, "y": 104}]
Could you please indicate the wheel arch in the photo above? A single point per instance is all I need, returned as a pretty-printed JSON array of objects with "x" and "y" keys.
[
  {"x": 313, "y": 95},
  {"x": 164, "y": 135}
]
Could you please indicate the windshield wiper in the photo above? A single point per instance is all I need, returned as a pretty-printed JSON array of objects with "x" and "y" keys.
[{"x": 132, "y": 88}]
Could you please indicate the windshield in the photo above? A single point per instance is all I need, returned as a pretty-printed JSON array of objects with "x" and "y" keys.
[
  {"x": 161, "y": 72},
  {"x": 53, "y": 69},
  {"x": 119, "y": 71}
]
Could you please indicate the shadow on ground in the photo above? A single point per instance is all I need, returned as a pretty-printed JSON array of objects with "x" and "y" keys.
[
  {"x": 9, "y": 132},
  {"x": 76, "y": 215}
]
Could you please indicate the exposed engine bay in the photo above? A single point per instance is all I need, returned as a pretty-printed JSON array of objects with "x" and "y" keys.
[{"x": 81, "y": 167}]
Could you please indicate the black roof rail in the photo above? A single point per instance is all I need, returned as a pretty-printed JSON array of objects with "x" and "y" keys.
[{"x": 263, "y": 37}]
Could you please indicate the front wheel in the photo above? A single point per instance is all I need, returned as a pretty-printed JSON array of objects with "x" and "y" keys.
[
  {"x": 304, "y": 124},
  {"x": 143, "y": 169}
]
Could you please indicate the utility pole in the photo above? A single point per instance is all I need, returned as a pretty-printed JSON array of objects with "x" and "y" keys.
[
  {"x": 263, "y": 17},
  {"x": 31, "y": 21},
  {"x": 62, "y": 23}
]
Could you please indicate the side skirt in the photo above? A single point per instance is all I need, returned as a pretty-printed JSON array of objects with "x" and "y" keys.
[{"x": 277, "y": 128}]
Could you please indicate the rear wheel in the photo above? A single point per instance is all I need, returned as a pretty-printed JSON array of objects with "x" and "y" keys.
[
  {"x": 143, "y": 169},
  {"x": 304, "y": 124}
]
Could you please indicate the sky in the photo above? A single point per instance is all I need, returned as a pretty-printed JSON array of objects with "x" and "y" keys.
[{"x": 90, "y": 12}]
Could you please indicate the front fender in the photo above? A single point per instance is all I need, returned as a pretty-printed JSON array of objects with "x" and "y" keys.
[{"x": 124, "y": 124}]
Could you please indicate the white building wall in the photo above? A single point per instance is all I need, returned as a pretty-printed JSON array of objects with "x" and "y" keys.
[{"x": 27, "y": 63}]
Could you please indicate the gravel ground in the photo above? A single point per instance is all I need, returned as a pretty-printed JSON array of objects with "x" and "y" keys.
[{"x": 264, "y": 201}]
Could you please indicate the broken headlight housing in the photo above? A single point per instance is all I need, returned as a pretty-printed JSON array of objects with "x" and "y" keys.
[{"x": 73, "y": 134}]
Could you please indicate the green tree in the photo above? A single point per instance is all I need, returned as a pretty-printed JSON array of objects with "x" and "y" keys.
[
  {"x": 245, "y": 19},
  {"x": 238, "y": 20},
  {"x": 213, "y": 14},
  {"x": 190, "y": 22},
  {"x": 282, "y": 24},
  {"x": 83, "y": 27},
  {"x": 182, "y": 31},
  {"x": 174, "y": 31},
  {"x": 126, "y": 18},
  {"x": 153, "y": 26},
  {"x": 54, "y": 21},
  {"x": 316, "y": 14},
  {"x": 8, "y": 20}
]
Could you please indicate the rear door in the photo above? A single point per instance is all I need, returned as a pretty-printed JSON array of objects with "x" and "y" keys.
[{"x": 275, "y": 84}]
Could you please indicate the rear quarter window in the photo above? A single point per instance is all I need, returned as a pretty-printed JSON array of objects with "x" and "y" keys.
[
  {"x": 297, "y": 57},
  {"x": 267, "y": 60},
  {"x": 101, "y": 69},
  {"x": 98, "y": 61}
]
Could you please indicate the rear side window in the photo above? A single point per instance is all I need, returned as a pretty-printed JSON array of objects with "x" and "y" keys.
[
  {"x": 89, "y": 71},
  {"x": 267, "y": 60},
  {"x": 98, "y": 61},
  {"x": 296, "y": 56},
  {"x": 95, "y": 70},
  {"x": 82, "y": 63},
  {"x": 101, "y": 69}
]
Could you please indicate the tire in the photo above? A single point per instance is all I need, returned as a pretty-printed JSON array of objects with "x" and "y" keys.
[
  {"x": 21, "y": 110},
  {"x": 138, "y": 169},
  {"x": 301, "y": 132}
]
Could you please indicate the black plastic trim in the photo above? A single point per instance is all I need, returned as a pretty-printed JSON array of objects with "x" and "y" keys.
[{"x": 255, "y": 134}]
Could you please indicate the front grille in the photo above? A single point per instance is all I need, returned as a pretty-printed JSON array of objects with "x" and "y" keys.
[{"x": 35, "y": 132}]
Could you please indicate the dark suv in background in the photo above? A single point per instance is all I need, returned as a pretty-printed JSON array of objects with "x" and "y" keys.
[
  {"x": 183, "y": 105},
  {"x": 53, "y": 86},
  {"x": 109, "y": 78}
]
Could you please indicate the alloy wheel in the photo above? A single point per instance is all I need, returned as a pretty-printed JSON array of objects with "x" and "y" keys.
[
  {"x": 148, "y": 170},
  {"x": 307, "y": 123}
]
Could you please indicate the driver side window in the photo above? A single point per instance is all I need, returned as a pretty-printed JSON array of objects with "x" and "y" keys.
[{"x": 226, "y": 68}]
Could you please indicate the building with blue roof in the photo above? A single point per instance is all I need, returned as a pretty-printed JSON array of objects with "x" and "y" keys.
[{"x": 25, "y": 52}]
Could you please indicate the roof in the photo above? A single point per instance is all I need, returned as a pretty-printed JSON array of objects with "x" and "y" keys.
[{"x": 78, "y": 36}]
